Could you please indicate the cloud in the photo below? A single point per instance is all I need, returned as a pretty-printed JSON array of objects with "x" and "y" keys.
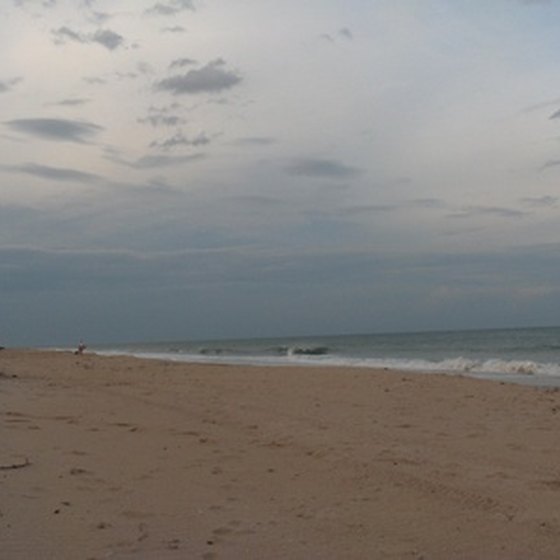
[
  {"x": 71, "y": 102},
  {"x": 44, "y": 3},
  {"x": 100, "y": 17},
  {"x": 542, "y": 105},
  {"x": 495, "y": 211},
  {"x": 144, "y": 68},
  {"x": 63, "y": 34},
  {"x": 174, "y": 29},
  {"x": 109, "y": 39},
  {"x": 7, "y": 85},
  {"x": 171, "y": 8},
  {"x": 61, "y": 130},
  {"x": 152, "y": 161},
  {"x": 343, "y": 33},
  {"x": 162, "y": 120},
  {"x": 322, "y": 168},
  {"x": 126, "y": 75},
  {"x": 549, "y": 164},
  {"x": 54, "y": 173},
  {"x": 427, "y": 203},
  {"x": 555, "y": 115},
  {"x": 210, "y": 78},
  {"x": 179, "y": 139},
  {"x": 93, "y": 80},
  {"x": 368, "y": 209},
  {"x": 540, "y": 201},
  {"x": 104, "y": 37},
  {"x": 163, "y": 116},
  {"x": 182, "y": 62}
]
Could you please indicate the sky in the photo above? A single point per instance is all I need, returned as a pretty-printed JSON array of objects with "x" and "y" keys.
[{"x": 192, "y": 169}]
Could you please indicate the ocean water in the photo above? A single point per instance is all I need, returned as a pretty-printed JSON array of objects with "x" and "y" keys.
[{"x": 529, "y": 355}]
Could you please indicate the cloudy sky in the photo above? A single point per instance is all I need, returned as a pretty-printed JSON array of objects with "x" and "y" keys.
[{"x": 222, "y": 168}]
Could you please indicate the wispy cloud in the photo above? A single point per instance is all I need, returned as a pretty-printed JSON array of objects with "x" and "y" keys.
[
  {"x": 174, "y": 29},
  {"x": 152, "y": 161},
  {"x": 368, "y": 209},
  {"x": 541, "y": 105},
  {"x": 43, "y": 3},
  {"x": 321, "y": 168},
  {"x": 63, "y": 34},
  {"x": 545, "y": 201},
  {"x": 343, "y": 33},
  {"x": 71, "y": 102},
  {"x": 56, "y": 129},
  {"x": 7, "y": 85},
  {"x": 170, "y": 8},
  {"x": 163, "y": 116},
  {"x": 162, "y": 120},
  {"x": 427, "y": 203},
  {"x": 94, "y": 80},
  {"x": 107, "y": 38},
  {"x": 550, "y": 163},
  {"x": 54, "y": 173},
  {"x": 100, "y": 17},
  {"x": 212, "y": 78},
  {"x": 179, "y": 139},
  {"x": 182, "y": 62},
  {"x": 492, "y": 211}
]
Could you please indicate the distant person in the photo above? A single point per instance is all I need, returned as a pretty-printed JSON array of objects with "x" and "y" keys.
[{"x": 81, "y": 348}]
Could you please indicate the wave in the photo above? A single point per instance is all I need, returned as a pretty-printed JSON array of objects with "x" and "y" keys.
[
  {"x": 271, "y": 351},
  {"x": 311, "y": 351},
  {"x": 215, "y": 351},
  {"x": 460, "y": 365},
  {"x": 322, "y": 356}
]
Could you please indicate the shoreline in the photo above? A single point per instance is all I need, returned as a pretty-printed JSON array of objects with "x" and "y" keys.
[
  {"x": 524, "y": 379},
  {"x": 126, "y": 457}
]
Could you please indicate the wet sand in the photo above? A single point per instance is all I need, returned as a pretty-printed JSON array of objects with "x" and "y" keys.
[{"x": 125, "y": 458}]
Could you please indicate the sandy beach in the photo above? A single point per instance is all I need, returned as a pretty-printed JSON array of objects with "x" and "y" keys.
[{"x": 115, "y": 457}]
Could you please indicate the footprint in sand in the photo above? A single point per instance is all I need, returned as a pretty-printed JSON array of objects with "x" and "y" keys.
[
  {"x": 78, "y": 471},
  {"x": 143, "y": 529},
  {"x": 173, "y": 544}
]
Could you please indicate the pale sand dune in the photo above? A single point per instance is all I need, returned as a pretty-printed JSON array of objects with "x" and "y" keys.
[{"x": 154, "y": 460}]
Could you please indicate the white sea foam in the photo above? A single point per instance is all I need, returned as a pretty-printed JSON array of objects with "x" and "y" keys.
[
  {"x": 457, "y": 365},
  {"x": 523, "y": 355}
]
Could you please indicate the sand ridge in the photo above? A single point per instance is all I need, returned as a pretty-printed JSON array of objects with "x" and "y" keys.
[{"x": 126, "y": 458}]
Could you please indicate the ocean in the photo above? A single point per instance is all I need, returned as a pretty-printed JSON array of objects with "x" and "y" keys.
[{"x": 527, "y": 355}]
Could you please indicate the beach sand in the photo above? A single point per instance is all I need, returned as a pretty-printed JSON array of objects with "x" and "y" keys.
[{"x": 124, "y": 458}]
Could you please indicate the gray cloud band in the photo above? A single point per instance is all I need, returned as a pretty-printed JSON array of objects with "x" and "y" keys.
[
  {"x": 56, "y": 129},
  {"x": 104, "y": 37},
  {"x": 210, "y": 78}
]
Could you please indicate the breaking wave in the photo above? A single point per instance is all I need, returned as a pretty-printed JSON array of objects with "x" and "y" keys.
[
  {"x": 466, "y": 366},
  {"x": 525, "y": 355},
  {"x": 311, "y": 351},
  {"x": 322, "y": 356}
]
